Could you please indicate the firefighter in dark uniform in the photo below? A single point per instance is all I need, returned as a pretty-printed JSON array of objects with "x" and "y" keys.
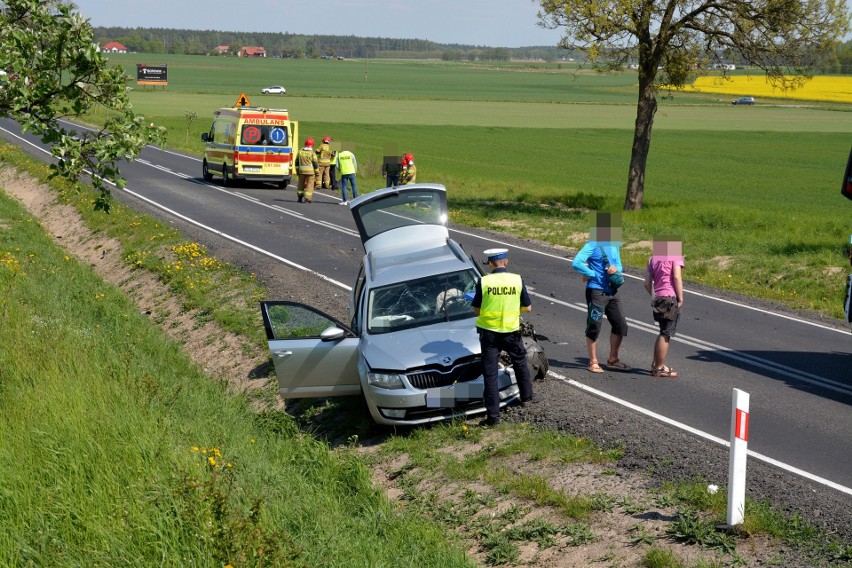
[
  {"x": 498, "y": 302},
  {"x": 306, "y": 167}
]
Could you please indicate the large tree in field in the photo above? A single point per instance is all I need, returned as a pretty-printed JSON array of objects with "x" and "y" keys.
[
  {"x": 675, "y": 37},
  {"x": 54, "y": 72}
]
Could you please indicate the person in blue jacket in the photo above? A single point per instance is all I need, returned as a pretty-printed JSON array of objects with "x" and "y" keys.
[{"x": 598, "y": 257}]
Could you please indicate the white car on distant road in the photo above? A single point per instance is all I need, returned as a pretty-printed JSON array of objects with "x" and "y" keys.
[{"x": 274, "y": 90}]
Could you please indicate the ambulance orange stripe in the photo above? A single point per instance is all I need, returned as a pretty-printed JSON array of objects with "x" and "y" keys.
[{"x": 260, "y": 158}]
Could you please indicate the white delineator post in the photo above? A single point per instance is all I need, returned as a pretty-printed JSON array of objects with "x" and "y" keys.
[{"x": 737, "y": 460}]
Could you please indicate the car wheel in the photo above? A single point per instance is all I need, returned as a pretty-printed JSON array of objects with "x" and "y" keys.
[
  {"x": 205, "y": 173},
  {"x": 225, "y": 181},
  {"x": 284, "y": 183}
]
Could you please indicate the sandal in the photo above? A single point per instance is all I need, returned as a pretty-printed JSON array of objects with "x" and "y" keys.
[
  {"x": 664, "y": 372},
  {"x": 616, "y": 364},
  {"x": 595, "y": 368}
]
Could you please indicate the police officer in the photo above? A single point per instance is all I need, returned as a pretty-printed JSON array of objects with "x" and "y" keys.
[
  {"x": 498, "y": 302},
  {"x": 324, "y": 160},
  {"x": 306, "y": 167}
]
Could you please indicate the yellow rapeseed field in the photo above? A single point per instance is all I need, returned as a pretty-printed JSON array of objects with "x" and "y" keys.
[{"x": 821, "y": 88}]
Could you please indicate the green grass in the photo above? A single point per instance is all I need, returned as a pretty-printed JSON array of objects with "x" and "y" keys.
[
  {"x": 115, "y": 450},
  {"x": 215, "y": 290},
  {"x": 386, "y": 79},
  {"x": 426, "y": 449}
]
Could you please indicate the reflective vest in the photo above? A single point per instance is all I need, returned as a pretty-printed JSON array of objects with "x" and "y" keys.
[
  {"x": 501, "y": 302},
  {"x": 306, "y": 161},
  {"x": 346, "y": 163},
  {"x": 324, "y": 155}
]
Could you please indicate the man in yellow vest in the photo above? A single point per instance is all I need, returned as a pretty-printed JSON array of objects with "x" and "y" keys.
[
  {"x": 324, "y": 154},
  {"x": 306, "y": 167},
  {"x": 347, "y": 165},
  {"x": 498, "y": 302}
]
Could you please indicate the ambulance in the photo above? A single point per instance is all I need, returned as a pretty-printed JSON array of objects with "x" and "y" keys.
[{"x": 247, "y": 143}]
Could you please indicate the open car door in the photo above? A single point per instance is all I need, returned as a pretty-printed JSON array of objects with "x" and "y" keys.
[{"x": 314, "y": 354}]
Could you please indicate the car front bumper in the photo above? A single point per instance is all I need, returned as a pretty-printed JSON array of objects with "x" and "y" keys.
[{"x": 411, "y": 406}]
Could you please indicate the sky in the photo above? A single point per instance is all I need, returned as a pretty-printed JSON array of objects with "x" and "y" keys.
[{"x": 491, "y": 23}]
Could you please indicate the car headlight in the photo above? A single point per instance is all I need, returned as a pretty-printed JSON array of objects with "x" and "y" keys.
[{"x": 385, "y": 380}]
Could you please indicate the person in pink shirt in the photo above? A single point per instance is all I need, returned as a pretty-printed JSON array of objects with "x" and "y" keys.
[{"x": 664, "y": 283}]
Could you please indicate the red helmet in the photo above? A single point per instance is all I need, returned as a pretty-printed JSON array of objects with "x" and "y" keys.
[
  {"x": 407, "y": 159},
  {"x": 326, "y": 140},
  {"x": 309, "y": 142}
]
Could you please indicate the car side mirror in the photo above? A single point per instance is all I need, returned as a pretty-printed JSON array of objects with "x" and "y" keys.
[
  {"x": 332, "y": 333},
  {"x": 204, "y": 137}
]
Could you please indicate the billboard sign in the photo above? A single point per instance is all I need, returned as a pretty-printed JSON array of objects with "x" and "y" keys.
[{"x": 152, "y": 74}]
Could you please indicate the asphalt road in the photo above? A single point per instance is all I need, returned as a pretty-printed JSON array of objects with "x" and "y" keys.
[{"x": 797, "y": 368}]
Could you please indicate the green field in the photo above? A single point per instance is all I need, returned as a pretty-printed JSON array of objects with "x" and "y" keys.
[{"x": 752, "y": 191}]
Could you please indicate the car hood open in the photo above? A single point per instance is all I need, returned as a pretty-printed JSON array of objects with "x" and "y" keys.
[{"x": 439, "y": 344}]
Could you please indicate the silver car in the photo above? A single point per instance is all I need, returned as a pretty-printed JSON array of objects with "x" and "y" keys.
[{"x": 411, "y": 346}]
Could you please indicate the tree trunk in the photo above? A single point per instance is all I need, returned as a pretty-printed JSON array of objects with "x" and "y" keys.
[{"x": 645, "y": 110}]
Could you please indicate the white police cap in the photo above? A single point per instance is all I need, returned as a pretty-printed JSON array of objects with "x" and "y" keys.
[{"x": 496, "y": 254}]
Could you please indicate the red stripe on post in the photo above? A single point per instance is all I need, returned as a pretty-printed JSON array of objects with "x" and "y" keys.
[{"x": 742, "y": 425}]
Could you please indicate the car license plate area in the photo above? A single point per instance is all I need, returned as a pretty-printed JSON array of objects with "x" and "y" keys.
[
  {"x": 251, "y": 169},
  {"x": 451, "y": 397}
]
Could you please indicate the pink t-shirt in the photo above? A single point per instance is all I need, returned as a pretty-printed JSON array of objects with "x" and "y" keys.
[{"x": 661, "y": 268}]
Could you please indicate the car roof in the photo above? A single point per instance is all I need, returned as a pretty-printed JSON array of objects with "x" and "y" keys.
[{"x": 394, "y": 264}]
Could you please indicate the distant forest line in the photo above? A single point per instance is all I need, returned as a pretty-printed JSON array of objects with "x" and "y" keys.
[
  {"x": 287, "y": 45},
  {"x": 205, "y": 42}
]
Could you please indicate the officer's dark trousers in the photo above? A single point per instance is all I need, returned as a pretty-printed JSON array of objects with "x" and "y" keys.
[{"x": 492, "y": 343}]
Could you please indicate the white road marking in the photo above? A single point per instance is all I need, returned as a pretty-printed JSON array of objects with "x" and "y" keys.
[
  {"x": 765, "y": 364},
  {"x": 699, "y": 433}
]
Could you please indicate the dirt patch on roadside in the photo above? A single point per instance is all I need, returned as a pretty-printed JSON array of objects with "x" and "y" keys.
[{"x": 494, "y": 522}]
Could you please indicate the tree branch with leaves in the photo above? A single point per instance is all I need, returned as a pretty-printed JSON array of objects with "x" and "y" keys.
[
  {"x": 55, "y": 73},
  {"x": 673, "y": 39}
]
